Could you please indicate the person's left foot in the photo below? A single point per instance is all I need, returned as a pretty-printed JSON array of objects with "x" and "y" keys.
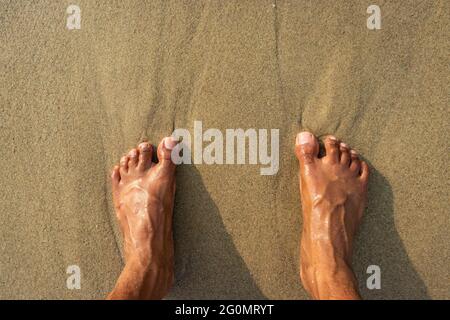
[
  {"x": 143, "y": 196},
  {"x": 333, "y": 192}
]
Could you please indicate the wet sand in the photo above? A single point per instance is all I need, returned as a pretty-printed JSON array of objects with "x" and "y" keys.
[{"x": 72, "y": 102}]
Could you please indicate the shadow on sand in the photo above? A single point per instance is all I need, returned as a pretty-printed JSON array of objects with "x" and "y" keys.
[
  {"x": 379, "y": 243},
  {"x": 207, "y": 264}
]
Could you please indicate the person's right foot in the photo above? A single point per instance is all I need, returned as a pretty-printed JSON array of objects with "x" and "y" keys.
[{"x": 333, "y": 192}]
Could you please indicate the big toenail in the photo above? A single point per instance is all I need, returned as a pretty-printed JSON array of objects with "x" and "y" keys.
[
  {"x": 170, "y": 143},
  {"x": 304, "y": 138}
]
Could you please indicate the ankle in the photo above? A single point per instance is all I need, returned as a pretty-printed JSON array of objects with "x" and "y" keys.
[{"x": 330, "y": 281}]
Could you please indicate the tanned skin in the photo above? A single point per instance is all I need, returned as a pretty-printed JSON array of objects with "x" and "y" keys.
[
  {"x": 333, "y": 191},
  {"x": 143, "y": 195}
]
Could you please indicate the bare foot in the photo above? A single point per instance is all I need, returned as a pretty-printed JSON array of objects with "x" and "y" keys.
[
  {"x": 143, "y": 195},
  {"x": 333, "y": 192}
]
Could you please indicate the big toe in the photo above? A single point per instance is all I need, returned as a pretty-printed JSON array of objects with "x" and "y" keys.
[
  {"x": 165, "y": 152},
  {"x": 306, "y": 149}
]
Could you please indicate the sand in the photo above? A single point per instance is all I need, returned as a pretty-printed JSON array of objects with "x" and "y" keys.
[{"x": 73, "y": 101}]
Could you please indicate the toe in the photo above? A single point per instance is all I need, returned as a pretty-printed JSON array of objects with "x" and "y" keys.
[
  {"x": 165, "y": 151},
  {"x": 355, "y": 166},
  {"x": 306, "y": 149},
  {"x": 345, "y": 154},
  {"x": 115, "y": 179},
  {"x": 133, "y": 157},
  {"x": 123, "y": 165},
  {"x": 145, "y": 156},
  {"x": 331, "y": 149},
  {"x": 364, "y": 172}
]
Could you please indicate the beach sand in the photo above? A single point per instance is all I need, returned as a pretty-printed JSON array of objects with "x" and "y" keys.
[{"x": 73, "y": 101}]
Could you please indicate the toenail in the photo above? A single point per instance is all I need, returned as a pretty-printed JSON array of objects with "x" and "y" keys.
[
  {"x": 304, "y": 137},
  {"x": 353, "y": 152},
  {"x": 343, "y": 145},
  {"x": 170, "y": 143},
  {"x": 333, "y": 138}
]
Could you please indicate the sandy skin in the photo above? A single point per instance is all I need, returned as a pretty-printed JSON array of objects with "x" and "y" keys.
[
  {"x": 333, "y": 191},
  {"x": 143, "y": 195}
]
